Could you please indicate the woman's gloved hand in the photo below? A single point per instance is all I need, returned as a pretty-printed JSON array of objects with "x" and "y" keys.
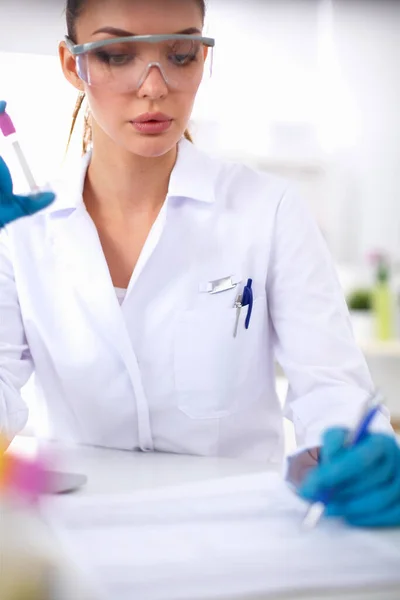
[
  {"x": 13, "y": 207},
  {"x": 363, "y": 481}
]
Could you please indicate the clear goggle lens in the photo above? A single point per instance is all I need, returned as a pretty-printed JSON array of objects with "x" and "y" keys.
[{"x": 124, "y": 66}]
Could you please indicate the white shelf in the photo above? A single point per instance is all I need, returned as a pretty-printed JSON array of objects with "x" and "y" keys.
[
  {"x": 289, "y": 165},
  {"x": 389, "y": 349}
]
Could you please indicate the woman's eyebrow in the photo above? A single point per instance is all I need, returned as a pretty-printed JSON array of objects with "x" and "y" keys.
[{"x": 122, "y": 33}]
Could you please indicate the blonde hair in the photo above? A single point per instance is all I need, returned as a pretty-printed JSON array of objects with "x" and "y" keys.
[{"x": 87, "y": 128}]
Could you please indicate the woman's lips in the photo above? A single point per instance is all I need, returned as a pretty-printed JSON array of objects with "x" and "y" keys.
[
  {"x": 152, "y": 127},
  {"x": 151, "y": 123}
]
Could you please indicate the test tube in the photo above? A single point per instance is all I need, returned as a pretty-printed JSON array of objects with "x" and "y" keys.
[{"x": 9, "y": 131}]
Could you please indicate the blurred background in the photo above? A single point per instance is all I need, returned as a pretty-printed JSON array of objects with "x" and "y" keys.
[{"x": 308, "y": 89}]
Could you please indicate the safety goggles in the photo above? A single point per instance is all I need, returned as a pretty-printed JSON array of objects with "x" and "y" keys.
[{"x": 123, "y": 64}]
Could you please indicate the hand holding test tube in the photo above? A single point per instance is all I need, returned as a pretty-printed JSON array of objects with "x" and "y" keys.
[{"x": 13, "y": 207}]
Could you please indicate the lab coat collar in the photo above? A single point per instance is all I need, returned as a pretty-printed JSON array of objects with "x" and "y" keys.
[
  {"x": 69, "y": 187},
  {"x": 193, "y": 177}
]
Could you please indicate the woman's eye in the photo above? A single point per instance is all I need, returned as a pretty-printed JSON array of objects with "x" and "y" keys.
[
  {"x": 183, "y": 59},
  {"x": 114, "y": 60}
]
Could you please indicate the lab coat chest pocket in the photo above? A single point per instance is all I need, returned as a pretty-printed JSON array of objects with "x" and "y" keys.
[{"x": 212, "y": 368}]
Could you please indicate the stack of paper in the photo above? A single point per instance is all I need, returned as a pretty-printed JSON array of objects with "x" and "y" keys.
[{"x": 236, "y": 537}]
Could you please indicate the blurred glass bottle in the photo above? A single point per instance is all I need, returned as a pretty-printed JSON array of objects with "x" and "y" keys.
[{"x": 383, "y": 300}]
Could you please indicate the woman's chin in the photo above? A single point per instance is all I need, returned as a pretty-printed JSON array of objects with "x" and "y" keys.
[{"x": 153, "y": 146}]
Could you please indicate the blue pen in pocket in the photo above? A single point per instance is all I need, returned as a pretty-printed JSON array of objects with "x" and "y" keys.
[
  {"x": 247, "y": 300},
  {"x": 317, "y": 509}
]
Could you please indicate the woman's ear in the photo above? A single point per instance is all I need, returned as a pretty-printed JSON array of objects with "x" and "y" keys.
[{"x": 68, "y": 65}]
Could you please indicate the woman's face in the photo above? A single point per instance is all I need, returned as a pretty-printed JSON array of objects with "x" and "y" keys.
[{"x": 114, "y": 112}]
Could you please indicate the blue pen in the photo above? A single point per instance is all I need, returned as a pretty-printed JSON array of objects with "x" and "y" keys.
[
  {"x": 247, "y": 300},
  {"x": 372, "y": 407}
]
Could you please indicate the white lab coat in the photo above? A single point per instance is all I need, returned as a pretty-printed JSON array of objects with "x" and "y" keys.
[{"x": 164, "y": 371}]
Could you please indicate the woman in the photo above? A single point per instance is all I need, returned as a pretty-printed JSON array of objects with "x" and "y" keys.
[{"x": 153, "y": 295}]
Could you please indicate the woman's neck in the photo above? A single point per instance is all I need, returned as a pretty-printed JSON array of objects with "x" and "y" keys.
[{"x": 119, "y": 183}]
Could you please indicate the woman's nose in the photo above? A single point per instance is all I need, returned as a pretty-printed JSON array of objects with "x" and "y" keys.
[{"x": 153, "y": 83}]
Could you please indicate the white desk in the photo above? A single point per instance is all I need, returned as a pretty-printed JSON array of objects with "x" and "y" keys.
[{"x": 113, "y": 471}]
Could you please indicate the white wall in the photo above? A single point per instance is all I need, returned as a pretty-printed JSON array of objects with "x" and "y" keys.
[
  {"x": 367, "y": 36},
  {"x": 32, "y": 26},
  {"x": 264, "y": 69}
]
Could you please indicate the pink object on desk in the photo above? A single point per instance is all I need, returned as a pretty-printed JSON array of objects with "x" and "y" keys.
[{"x": 30, "y": 479}]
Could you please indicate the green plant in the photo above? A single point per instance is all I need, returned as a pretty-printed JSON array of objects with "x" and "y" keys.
[{"x": 360, "y": 299}]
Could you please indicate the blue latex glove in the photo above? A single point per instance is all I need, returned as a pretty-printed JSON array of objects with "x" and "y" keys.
[
  {"x": 364, "y": 480},
  {"x": 13, "y": 207}
]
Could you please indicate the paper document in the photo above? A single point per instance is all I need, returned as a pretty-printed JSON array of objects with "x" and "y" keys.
[{"x": 235, "y": 537}]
